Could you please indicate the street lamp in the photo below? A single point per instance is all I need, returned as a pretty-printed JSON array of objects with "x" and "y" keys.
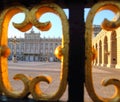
[{"x": 14, "y": 41}]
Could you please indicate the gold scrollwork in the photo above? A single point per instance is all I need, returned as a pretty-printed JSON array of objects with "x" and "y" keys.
[
  {"x": 108, "y": 25},
  {"x": 31, "y": 19}
]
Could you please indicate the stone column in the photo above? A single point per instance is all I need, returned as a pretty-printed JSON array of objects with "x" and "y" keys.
[{"x": 118, "y": 48}]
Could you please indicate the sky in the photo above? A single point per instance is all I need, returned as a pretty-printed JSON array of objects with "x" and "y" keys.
[{"x": 56, "y": 29}]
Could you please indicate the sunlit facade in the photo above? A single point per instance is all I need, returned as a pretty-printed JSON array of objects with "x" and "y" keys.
[
  {"x": 108, "y": 50},
  {"x": 34, "y": 48}
]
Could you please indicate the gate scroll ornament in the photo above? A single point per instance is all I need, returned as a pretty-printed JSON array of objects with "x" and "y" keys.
[
  {"x": 31, "y": 85},
  {"x": 114, "y": 6}
]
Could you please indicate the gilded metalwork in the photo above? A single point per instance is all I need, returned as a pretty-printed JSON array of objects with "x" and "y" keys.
[
  {"x": 58, "y": 52},
  {"x": 31, "y": 19},
  {"x": 107, "y": 25},
  {"x": 4, "y": 51}
]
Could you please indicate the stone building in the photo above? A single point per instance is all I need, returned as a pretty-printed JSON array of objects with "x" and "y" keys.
[
  {"x": 108, "y": 50},
  {"x": 96, "y": 30},
  {"x": 34, "y": 48}
]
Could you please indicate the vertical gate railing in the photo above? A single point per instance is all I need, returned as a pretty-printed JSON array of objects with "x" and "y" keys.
[
  {"x": 31, "y": 19},
  {"x": 114, "y": 6}
]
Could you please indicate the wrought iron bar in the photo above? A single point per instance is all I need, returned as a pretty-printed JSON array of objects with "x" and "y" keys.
[
  {"x": 107, "y": 25},
  {"x": 31, "y": 19},
  {"x": 76, "y": 53}
]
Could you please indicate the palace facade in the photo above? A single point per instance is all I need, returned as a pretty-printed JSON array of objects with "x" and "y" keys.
[
  {"x": 34, "y": 48},
  {"x": 107, "y": 46}
]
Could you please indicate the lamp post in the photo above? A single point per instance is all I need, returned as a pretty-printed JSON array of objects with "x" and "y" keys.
[{"x": 14, "y": 41}]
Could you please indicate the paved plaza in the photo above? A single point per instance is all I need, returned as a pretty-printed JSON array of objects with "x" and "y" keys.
[
  {"x": 52, "y": 69},
  {"x": 33, "y": 69}
]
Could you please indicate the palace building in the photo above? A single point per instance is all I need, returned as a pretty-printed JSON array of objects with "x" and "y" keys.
[
  {"x": 107, "y": 46},
  {"x": 34, "y": 48}
]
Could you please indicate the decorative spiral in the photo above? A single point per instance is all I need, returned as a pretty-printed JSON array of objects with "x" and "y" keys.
[
  {"x": 107, "y": 25},
  {"x": 36, "y": 91},
  {"x": 116, "y": 83},
  {"x": 31, "y": 19}
]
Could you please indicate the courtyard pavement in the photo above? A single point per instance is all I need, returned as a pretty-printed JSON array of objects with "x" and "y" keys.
[{"x": 52, "y": 69}]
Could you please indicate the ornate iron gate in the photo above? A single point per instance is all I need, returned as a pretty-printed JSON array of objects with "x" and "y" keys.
[
  {"x": 63, "y": 52},
  {"x": 109, "y": 26}
]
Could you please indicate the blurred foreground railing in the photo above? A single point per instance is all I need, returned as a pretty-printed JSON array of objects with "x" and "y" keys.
[{"x": 31, "y": 85}]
